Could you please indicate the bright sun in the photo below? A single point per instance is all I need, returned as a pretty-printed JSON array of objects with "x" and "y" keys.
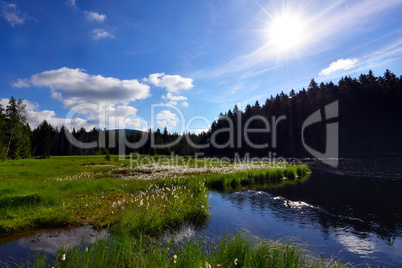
[{"x": 287, "y": 32}]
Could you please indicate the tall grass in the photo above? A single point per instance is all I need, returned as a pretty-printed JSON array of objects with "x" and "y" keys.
[
  {"x": 102, "y": 202},
  {"x": 231, "y": 251},
  {"x": 272, "y": 175}
]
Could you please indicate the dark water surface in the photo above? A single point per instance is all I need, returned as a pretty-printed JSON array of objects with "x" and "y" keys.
[
  {"x": 356, "y": 219},
  {"x": 353, "y": 212},
  {"x": 386, "y": 168}
]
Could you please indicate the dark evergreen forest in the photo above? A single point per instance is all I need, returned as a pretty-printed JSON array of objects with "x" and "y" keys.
[{"x": 370, "y": 117}]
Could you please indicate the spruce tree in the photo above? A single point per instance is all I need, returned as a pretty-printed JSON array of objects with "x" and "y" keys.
[{"x": 43, "y": 138}]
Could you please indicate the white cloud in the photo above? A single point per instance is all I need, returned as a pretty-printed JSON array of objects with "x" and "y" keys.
[
  {"x": 341, "y": 64},
  {"x": 170, "y": 103},
  {"x": 109, "y": 116},
  {"x": 201, "y": 130},
  {"x": 12, "y": 14},
  {"x": 173, "y": 100},
  {"x": 170, "y": 96},
  {"x": 74, "y": 86},
  {"x": 167, "y": 119},
  {"x": 172, "y": 83},
  {"x": 4, "y": 103},
  {"x": 98, "y": 34},
  {"x": 122, "y": 110},
  {"x": 116, "y": 117},
  {"x": 95, "y": 16},
  {"x": 21, "y": 83}
]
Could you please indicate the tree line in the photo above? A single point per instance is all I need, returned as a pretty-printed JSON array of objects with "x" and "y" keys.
[
  {"x": 369, "y": 119},
  {"x": 17, "y": 140}
]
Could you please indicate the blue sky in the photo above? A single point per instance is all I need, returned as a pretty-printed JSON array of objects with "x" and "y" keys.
[{"x": 140, "y": 64}]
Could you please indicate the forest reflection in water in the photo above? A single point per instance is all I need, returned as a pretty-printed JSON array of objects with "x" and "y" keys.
[{"x": 356, "y": 218}]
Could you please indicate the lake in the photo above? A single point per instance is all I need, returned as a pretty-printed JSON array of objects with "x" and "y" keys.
[{"x": 353, "y": 212}]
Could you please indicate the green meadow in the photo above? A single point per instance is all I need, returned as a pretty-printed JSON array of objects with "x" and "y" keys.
[{"x": 137, "y": 200}]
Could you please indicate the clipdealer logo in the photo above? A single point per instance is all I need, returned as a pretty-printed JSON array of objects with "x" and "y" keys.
[{"x": 330, "y": 156}]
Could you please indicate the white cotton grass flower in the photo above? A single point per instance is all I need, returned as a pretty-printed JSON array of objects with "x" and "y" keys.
[
  {"x": 174, "y": 258},
  {"x": 235, "y": 261},
  {"x": 207, "y": 265},
  {"x": 63, "y": 257}
]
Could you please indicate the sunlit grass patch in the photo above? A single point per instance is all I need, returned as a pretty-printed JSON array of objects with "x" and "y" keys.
[{"x": 159, "y": 206}]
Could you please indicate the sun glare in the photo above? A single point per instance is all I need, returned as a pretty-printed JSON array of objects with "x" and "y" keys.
[{"x": 287, "y": 32}]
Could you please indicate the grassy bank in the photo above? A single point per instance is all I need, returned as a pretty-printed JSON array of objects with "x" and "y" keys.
[
  {"x": 232, "y": 251},
  {"x": 272, "y": 175},
  {"x": 93, "y": 195},
  {"x": 152, "y": 193}
]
